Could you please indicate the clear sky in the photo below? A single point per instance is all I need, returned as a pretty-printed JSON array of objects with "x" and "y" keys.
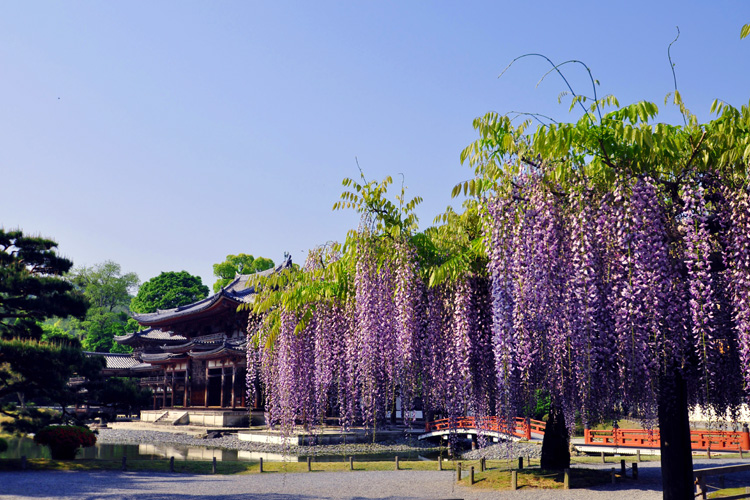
[{"x": 166, "y": 135}]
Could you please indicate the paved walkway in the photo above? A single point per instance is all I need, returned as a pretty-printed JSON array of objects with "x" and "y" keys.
[
  {"x": 406, "y": 485},
  {"x": 392, "y": 485}
]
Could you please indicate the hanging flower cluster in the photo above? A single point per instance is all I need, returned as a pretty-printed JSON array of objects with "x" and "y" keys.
[
  {"x": 594, "y": 296},
  {"x": 588, "y": 295}
]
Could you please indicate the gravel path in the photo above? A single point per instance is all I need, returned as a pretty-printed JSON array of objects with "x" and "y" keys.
[
  {"x": 406, "y": 485},
  {"x": 325, "y": 486}
]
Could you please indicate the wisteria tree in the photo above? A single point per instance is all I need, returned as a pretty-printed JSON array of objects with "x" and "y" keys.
[{"x": 618, "y": 251}]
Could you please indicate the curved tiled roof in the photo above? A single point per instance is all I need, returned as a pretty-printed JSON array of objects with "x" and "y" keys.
[
  {"x": 114, "y": 361},
  {"x": 151, "y": 335},
  {"x": 237, "y": 292},
  {"x": 157, "y": 357},
  {"x": 227, "y": 347}
]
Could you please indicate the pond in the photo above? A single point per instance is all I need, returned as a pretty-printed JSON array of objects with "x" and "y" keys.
[{"x": 18, "y": 447}]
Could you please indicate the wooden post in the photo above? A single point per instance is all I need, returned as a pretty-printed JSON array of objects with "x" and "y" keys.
[
  {"x": 234, "y": 381},
  {"x": 566, "y": 479},
  {"x": 213, "y": 466},
  {"x": 261, "y": 464},
  {"x": 471, "y": 481},
  {"x": 635, "y": 470},
  {"x": 513, "y": 480},
  {"x": 483, "y": 464},
  {"x": 185, "y": 392},
  {"x": 612, "y": 474},
  {"x": 638, "y": 455},
  {"x": 309, "y": 464},
  {"x": 701, "y": 488},
  {"x": 396, "y": 462},
  {"x": 458, "y": 471},
  {"x": 351, "y": 463},
  {"x": 221, "y": 393},
  {"x": 622, "y": 468},
  {"x": 520, "y": 463},
  {"x": 205, "y": 390},
  {"x": 171, "y": 464},
  {"x": 23, "y": 462},
  {"x": 708, "y": 452},
  {"x": 603, "y": 460},
  {"x": 124, "y": 462}
]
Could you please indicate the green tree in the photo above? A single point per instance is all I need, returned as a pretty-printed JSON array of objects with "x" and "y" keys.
[
  {"x": 109, "y": 292},
  {"x": 168, "y": 290},
  {"x": 238, "y": 264},
  {"x": 31, "y": 290},
  {"x": 31, "y": 285},
  {"x": 105, "y": 286}
]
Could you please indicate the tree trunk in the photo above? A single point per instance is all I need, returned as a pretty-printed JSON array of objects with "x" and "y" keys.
[
  {"x": 674, "y": 430},
  {"x": 556, "y": 443}
]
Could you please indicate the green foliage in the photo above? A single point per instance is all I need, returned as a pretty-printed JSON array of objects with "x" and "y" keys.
[
  {"x": 168, "y": 290},
  {"x": 369, "y": 199},
  {"x": 31, "y": 291},
  {"x": 54, "y": 332},
  {"x": 101, "y": 326},
  {"x": 31, "y": 288},
  {"x": 745, "y": 31},
  {"x": 238, "y": 264},
  {"x": 21, "y": 377},
  {"x": 119, "y": 394},
  {"x": 3, "y": 445},
  {"x": 601, "y": 145},
  {"x": 104, "y": 285}
]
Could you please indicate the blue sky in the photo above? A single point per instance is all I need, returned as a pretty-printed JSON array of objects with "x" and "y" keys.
[{"x": 166, "y": 135}]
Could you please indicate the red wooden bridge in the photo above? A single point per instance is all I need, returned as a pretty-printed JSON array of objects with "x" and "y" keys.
[
  {"x": 523, "y": 428},
  {"x": 641, "y": 438}
]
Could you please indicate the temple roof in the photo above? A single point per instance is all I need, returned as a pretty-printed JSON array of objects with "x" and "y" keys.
[
  {"x": 225, "y": 349},
  {"x": 235, "y": 293},
  {"x": 161, "y": 357},
  {"x": 120, "y": 361},
  {"x": 150, "y": 336}
]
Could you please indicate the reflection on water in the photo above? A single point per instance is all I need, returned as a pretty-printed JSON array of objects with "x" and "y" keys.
[{"x": 18, "y": 447}]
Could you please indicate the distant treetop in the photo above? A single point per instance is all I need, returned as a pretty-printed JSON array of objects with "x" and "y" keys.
[
  {"x": 168, "y": 290},
  {"x": 238, "y": 264}
]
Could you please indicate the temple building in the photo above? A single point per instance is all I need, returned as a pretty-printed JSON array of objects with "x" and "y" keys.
[{"x": 198, "y": 355}]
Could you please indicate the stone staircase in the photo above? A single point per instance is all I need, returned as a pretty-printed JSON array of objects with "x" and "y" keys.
[{"x": 173, "y": 417}]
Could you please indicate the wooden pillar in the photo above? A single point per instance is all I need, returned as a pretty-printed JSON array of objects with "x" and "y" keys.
[
  {"x": 221, "y": 395},
  {"x": 234, "y": 379},
  {"x": 171, "y": 388},
  {"x": 205, "y": 390},
  {"x": 185, "y": 391}
]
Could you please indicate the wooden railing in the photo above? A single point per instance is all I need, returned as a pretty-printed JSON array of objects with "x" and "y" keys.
[
  {"x": 523, "y": 427},
  {"x": 702, "y": 487},
  {"x": 640, "y": 438}
]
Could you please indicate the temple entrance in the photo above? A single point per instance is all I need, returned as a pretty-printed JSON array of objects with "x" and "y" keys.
[{"x": 214, "y": 387}]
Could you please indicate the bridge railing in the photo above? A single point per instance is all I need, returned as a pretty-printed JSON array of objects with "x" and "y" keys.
[
  {"x": 642, "y": 438},
  {"x": 522, "y": 427}
]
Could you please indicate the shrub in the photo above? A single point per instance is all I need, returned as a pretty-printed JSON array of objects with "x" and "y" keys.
[
  {"x": 64, "y": 440},
  {"x": 3, "y": 445}
]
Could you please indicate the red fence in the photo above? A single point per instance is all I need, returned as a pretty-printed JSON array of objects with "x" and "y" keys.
[
  {"x": 639, "y": 438},
  {"x": 523, "y": 427}
]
